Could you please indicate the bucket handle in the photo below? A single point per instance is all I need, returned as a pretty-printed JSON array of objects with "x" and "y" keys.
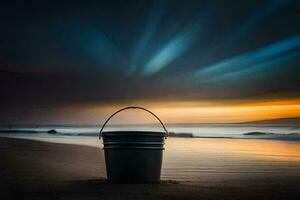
[{"x": 134, "y": 107}]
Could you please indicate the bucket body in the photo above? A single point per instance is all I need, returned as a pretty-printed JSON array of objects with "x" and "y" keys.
[{"x": 133, "y": 156}]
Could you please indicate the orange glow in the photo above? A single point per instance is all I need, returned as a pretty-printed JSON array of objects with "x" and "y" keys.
[
  {"x": 206, "y": 111},
  {"x": 229, "y": 113}
]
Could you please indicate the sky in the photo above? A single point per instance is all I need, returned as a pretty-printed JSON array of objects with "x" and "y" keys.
[{"x": 75, "y": 62}]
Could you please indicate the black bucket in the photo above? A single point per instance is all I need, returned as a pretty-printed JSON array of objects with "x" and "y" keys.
[{"x": 133, "y": 156}]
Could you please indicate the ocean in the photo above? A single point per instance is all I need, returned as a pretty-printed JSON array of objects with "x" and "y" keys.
[{"x": 197, "y": 130}]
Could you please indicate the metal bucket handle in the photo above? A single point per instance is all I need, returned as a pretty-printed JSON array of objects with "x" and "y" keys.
[{"x": 134, "y": 107}]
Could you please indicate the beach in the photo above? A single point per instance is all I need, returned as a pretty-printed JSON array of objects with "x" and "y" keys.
[{"x": 192, "y": 169}]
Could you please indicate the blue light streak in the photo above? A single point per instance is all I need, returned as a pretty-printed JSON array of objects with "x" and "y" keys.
[
  {"x": 174, "y": 48},
  {"x": 247, "y": 25},
  {"x": 150, "y": 29},
  {"x": 247, "y": 60},
  {"x": 258, "y": 69}
]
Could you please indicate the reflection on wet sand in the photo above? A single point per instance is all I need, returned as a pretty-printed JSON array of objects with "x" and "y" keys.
[{"x": 200, "y": 159}]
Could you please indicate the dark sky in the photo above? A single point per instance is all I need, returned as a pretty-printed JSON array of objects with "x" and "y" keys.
[{"x": 66, "y": 52}]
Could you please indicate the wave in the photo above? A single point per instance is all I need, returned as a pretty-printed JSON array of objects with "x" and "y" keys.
[
  {"x": 78, "y": 132},
  {"x": 278, "y": 136},
  {"x": 249, "y": 135}
]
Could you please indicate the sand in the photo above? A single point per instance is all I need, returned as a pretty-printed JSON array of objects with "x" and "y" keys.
[{"x": 41, "y": 170}]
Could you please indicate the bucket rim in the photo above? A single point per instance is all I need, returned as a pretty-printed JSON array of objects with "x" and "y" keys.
[{"x": 138, "y": 133}]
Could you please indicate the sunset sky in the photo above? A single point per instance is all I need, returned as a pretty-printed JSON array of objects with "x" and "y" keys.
[{"x": 188, "y": 61}]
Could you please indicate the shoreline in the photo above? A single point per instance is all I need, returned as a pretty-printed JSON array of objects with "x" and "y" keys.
[{"x": 267, "y": 136}]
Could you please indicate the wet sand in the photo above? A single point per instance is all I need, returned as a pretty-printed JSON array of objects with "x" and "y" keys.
[{"x": 242, "y": 170}]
